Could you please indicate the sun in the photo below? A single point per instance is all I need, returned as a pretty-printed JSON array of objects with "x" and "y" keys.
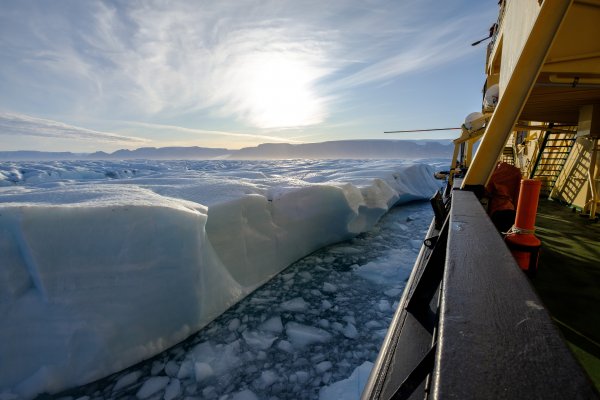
[{"x": 278, "y": 91}]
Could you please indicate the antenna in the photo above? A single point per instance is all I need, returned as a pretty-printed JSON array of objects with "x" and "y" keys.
[
  {"x": 493, "y": 30},
  {"x": 479, "y": 41}
]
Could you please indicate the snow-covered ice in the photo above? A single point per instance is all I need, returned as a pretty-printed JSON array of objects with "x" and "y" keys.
[
  {"x": 297, "y": 304},
  {"x": 273, "y": 324},
  {"x": 302, "y": 335},
  {"x": 106, "y": 264},
  {"x": 348, "y": 389},
  {"x": 295, "y": 367}
]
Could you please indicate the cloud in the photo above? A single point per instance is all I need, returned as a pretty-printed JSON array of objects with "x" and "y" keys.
[
  {"x": 154, "y": 58},
  {"x": 12, "y": 124},
  {"x": 266, "y": 63},
  {"x": 431, "y": 48}
]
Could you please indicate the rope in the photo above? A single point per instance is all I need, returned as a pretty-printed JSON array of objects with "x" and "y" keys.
[{"x": 519, "y": 231}]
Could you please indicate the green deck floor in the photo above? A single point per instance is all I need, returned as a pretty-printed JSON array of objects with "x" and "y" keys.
[{"x": 568, "y": 279}]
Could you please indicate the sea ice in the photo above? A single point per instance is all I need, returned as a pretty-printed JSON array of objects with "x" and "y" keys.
[
  {"x": 186, "y": 370},
  {"x": 393, "y": 292},
  {"x": 373, "y": 324},
  {"x": 234, "y": 324},
  {"x": 337, "y": 326},
  {"x": 286, "y": 346},
  {"x": 295, "y": 305},
  {"x": 388, "y": 270},
  {"x": 329, "y": 288},
  {"x": 350, "y": 388},
  {"x": 173, "y": 389},
  {"x": 208, "y": 392},
  {"x": 172, "y": 369},
  {"x": 323, "y": 366},
  {"x": 384, "y": 305},
  {"x": 350, "y": 331},
  {"x": 152, "y": 386},
  {"x": 267, "y": 378},
  {"x": 306, "y": 275},
  {"x": 273, "y": 324},
  {"x": 202, "y": 371},
  {"x": 302, "y": 376},
  {"x": 127, "y": 380},
  {"x": 303, "y": 335},
  {"x": 326, "y": 305},
  {"x": 157, "y": 367},
  {"x": 258, "y": 340},
  {"x": 416, "y": 244},
  {"x": 110, "y": 263},
  {"x": 289, "y": 276},
  {"x": 282, "y": 358},
  {"x": 245, "y": 395}
]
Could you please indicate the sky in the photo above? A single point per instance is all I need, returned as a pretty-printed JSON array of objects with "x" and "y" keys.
[{"x": 83, "y": 76}]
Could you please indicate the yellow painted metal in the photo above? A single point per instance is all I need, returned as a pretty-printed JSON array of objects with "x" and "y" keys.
[
  {"x": 573, "y": 80},
  {"x": 517, "y": 90},
  {"x": 453, "y": 164},
  {"x": 543, "y": 128},
  {"x": 592, "y": 176},
  {"x": 589, "y": 121},
  {"x": 574, "y": 53},
  {"x": 469, "y": 153}
]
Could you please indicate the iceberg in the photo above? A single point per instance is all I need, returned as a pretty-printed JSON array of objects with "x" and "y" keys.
[{"x": 99, "y": 270}]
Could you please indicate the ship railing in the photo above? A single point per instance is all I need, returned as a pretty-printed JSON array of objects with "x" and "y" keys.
[
  {"x": 470, "y": 326},
  {"x": 495, "y": 31}
]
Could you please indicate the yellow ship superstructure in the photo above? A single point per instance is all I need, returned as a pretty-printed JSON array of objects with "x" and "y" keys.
[
  {"x": 545, "y": 58},
  {"x": 471, "y": 324}
]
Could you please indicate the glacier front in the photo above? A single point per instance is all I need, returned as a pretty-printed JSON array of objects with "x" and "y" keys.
[{"x": 104, "y": 264}]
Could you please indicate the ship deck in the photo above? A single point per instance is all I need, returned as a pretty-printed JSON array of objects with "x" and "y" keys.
[{"x": 568, "y": 279}]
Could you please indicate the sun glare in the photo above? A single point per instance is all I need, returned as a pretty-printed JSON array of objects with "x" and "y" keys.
[{"x": 279, "y": 92}]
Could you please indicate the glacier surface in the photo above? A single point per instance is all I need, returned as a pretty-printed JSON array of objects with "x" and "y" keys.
[{"x": 104, "y": 264}]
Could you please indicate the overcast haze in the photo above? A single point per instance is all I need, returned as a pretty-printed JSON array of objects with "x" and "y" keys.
[{"x": 104, "y": 75}]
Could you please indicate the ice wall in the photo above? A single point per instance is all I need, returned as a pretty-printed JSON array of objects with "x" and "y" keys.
[{"x": 96, "y": 277}]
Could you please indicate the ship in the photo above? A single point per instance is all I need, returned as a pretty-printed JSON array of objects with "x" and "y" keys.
[{"x": 474, "y": 322}]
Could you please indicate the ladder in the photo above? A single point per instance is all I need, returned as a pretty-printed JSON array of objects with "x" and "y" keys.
[
  {"x": 508, "y": 155},
  {"x": 551, "y": 158}
]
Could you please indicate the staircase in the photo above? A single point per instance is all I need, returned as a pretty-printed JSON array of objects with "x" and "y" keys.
[
  {"x": 508, "y": 155},
  {"x": 553, "y": 153}
]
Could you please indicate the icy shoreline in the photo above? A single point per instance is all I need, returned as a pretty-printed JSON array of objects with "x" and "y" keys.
[{"x": 98, "y": 275}]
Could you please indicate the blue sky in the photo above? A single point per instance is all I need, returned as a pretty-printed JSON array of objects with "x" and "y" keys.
[{"x": 103, "y": 75}]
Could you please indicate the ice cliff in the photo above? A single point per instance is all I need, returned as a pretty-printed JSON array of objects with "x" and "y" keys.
[{"x": 98, "y": 274}]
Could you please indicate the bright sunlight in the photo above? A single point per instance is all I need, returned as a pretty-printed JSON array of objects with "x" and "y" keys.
[{"x": 278, "y": 91}]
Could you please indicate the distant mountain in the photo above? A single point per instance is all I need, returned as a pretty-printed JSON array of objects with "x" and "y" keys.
[
  {"x": 40, "y": 155},
  {"x": 150, "y": 153},
  {"x": 407, "y": 149},
  {"x": 165, "y": 153}
]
